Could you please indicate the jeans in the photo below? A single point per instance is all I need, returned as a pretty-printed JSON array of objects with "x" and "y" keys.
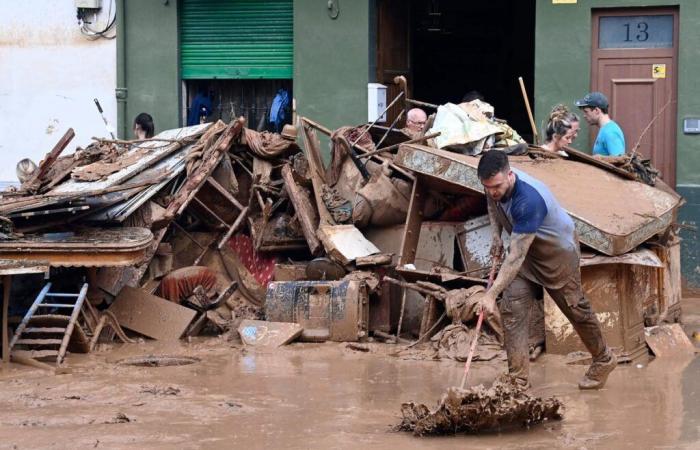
[{"x": 515, "y": 313}]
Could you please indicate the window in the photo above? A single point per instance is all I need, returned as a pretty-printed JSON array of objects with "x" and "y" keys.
[{"x": 636, "y": 31}]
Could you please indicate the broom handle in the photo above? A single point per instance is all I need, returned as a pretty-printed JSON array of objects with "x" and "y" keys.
[
  {"x": 535, "y": 137},
  {"x": 467, "y": 365}
]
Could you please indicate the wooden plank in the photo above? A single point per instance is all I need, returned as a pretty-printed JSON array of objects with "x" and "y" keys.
[
  {"x": 381, "y": 259},
  {"x": 414, "y": 219},
  {"x": 39, "y": 341},
  {"x": 215, "y": 184},
  {"x": 259, "y": 333},
  {"x": 344, "y": 243},
  {"x": 151, "y": 316},
  {"x": 159, "y": 152},
  {"x": 306, "y": 213},
  {"x": 317, "y": 172},
  {"x": 34, "y": 353},
  {"x": 50, "y": 158},
  {"x": 588, "y": 159},
  {"x": 668, "y": 340}
]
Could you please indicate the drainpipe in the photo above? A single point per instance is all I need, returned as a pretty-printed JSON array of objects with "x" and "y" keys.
[{"x": 121, "y": 91}]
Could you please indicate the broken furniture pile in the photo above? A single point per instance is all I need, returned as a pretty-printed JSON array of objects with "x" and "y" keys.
[{"x": 201, "y": 228}]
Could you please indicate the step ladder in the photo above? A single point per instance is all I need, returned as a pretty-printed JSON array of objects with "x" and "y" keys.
[{"x": 47, "y": 329}]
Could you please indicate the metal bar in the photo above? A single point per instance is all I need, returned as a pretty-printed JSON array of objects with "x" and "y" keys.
[
  {"x": 206, "y": 208},
  {"x": 241, "y": 217},
  {"x": 419, "y": 103},
  {"x": 391, "y": 128},
  {"x": 437, "y": 294},
  {"x": 71, "y": 324},
  {"x": 395, "y": 146},
  {"x": 191, "y": 238},
  {"x": 215, "y": 184},
  {"x": 55, "y": 305},
  {"x": 403, "y": 305},
  {"x": 46, "y": 212},
  {"x": 6, "y": 284},
  {"x": 49, "y": 294},
  {"x": 396, "y": 99}
]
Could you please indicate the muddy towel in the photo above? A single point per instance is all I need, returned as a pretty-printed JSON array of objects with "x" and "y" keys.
[
  {"x": 382, "y": 201},
  {"x": 267, "y": 145}
]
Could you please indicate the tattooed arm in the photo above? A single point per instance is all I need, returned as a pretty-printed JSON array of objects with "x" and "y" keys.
[
  {"x": 519, "y": 245},
  {"x": 496, "y": 229}
]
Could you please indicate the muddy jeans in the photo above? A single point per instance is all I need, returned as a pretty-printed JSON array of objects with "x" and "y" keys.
[{"x": 515, "y": 311}]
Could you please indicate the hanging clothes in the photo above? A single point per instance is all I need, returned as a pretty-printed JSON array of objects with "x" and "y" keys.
[{"x": 278, "y": 110}]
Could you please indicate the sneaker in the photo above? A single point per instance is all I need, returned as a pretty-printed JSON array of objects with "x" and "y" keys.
[{"x": 598, "y": 373}]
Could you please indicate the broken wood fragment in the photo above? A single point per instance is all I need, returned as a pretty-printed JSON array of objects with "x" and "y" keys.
[
  {"x": 38, "y": 179},
  {"x": 380, "y": 259},
  {"x": 151, "y": 316},
  {"x": 345, "y": 243},
  {"x": 306, "y": 213}
]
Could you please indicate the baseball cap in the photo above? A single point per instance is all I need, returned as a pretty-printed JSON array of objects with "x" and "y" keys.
[{"x": 594, "y": 100}]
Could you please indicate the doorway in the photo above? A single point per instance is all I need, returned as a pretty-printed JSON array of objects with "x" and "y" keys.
[
  {"x": 634, "y": 63},
  {"x": 447, "y": 48}
]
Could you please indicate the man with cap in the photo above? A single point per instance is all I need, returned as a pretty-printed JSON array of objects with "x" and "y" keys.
[{"x": 610, "y": 140}]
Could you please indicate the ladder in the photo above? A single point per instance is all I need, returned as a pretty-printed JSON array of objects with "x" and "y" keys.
[{"x": 46, "y": 330}]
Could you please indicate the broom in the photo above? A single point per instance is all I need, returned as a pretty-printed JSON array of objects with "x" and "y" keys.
[
  {"x": 480, "y": 320},
  {"x": 478, "y": 409}
]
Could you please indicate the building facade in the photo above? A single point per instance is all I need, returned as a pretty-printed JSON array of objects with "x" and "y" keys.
[
  {"x": 242, "y": 53},
  {"x": 52, "y": 69}
]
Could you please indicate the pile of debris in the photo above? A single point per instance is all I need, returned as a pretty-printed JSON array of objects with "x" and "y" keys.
[
  {"x": 477, "y": 409},
  {"x": 202, "y": 228}
]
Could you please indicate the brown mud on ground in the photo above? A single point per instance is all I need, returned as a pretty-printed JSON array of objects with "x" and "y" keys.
[
  {"x": 322, "y": 396},
  {"x": 505, "y": 404}
]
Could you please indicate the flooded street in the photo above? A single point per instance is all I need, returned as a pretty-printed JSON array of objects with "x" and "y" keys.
[{"x": 322, "y": 396}]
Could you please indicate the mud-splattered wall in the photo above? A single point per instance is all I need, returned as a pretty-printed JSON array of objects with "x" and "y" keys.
[{"x": 49, "y": 75}]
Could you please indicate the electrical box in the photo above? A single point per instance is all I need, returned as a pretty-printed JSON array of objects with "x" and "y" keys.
[
  {"x": 691, "y": 125},
  {"x": 88, "y": 4},
  {"x": 376, "y": 102}
]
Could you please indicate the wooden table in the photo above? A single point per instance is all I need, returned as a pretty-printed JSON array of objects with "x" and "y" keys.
[{"x": 8, "y": 268}]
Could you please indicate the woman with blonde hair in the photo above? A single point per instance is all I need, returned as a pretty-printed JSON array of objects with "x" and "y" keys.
[{"x": 561, "y": 130}]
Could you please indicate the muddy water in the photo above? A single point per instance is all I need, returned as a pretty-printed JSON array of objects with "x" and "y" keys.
[{"x": 321, "y": 396}]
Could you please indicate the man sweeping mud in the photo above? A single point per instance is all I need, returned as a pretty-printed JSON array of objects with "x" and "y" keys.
[{"x": 543, "y": 253}]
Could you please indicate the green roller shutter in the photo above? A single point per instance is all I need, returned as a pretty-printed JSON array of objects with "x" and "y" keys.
[{"x": 236, "y": 39}]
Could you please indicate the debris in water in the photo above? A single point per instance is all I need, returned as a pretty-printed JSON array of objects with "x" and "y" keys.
[
  {"x": 157, "y": 390},
  {"x": 479, "y": 409},
  {"x": 119, "y": 418}
]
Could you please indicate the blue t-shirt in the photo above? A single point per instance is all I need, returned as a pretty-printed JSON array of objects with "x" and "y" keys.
[
  {"x": 553, "y": 256},
  {"x": 610, "y": 140}
]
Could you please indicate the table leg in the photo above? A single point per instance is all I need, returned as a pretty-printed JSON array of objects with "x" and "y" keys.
[{"x": 6, "y": 284}]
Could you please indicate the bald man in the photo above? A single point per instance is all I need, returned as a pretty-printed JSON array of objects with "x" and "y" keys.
[{"x": 415, "y": 121}]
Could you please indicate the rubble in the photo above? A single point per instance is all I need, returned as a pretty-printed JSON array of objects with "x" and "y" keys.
[
  {"x": 204, "y": 228},
  {"x": 479, "y": 409}
]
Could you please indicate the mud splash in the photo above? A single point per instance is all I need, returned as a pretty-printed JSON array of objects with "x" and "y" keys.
[{"x": 477, "y": 409}]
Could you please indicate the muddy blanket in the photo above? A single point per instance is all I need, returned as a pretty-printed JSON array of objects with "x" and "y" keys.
[{"x": 476, "y": 409}]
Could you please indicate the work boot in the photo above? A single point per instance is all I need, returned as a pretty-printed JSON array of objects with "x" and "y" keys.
[{"x": 598, "y": 373}]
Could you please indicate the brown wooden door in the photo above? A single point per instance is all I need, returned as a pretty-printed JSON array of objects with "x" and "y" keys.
[
  {"x": 634, "y": 63},
  {"x": 393, "y": 50}
]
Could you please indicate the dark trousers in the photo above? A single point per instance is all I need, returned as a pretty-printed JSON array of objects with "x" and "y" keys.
[{"x": 515, "y": 313}]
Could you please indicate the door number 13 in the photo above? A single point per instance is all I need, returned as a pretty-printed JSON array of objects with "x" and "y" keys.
[{"x": 642, "y": 32}]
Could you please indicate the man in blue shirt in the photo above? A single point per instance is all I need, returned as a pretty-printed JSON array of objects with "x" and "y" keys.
[
  {"x": 610, "y": 140},
  {"x": 543, "y": 253}
]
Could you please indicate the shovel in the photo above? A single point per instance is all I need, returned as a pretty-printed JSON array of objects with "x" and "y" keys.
[{"x": 467, "y": 365}]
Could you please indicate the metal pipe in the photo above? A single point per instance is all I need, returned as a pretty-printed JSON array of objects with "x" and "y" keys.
[{"x": 377, "y": 119}]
